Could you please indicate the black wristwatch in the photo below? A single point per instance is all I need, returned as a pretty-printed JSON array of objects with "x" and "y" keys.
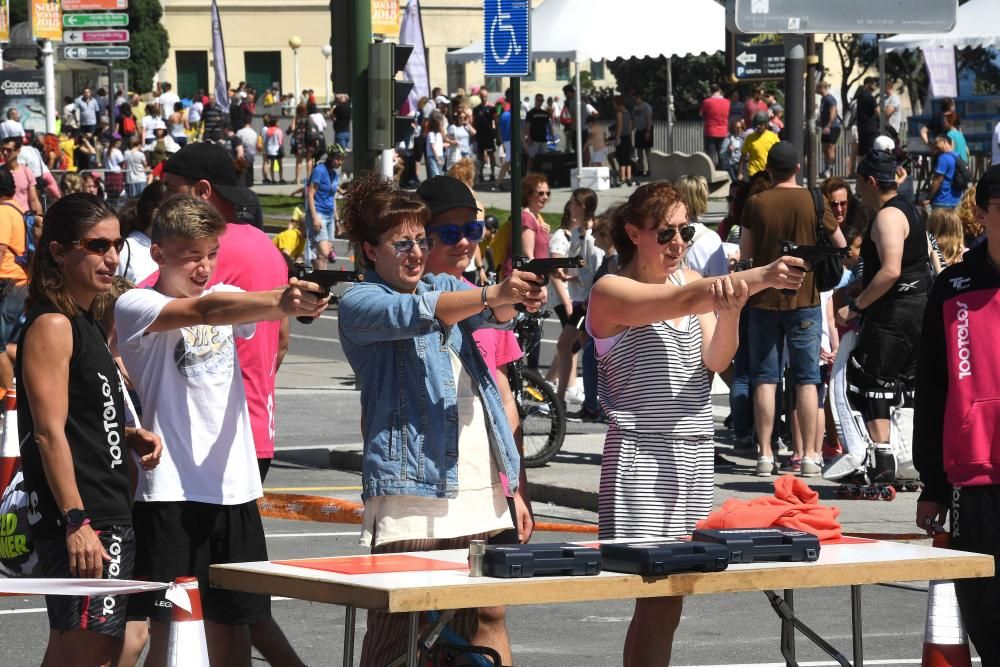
[
  {"x": 75, "y": 518},
  {"x": 854, "y": 308}
]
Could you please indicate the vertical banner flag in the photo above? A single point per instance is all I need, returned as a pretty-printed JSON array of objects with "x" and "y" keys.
[
  {"x": 940, "y": 63},
  {"x": 412, "y": 32},
  {"x": 46, "y": 19},
  {"x": 4, "y": 20},
  {"x": 219, "y": 60},
  {"x": 385, "y": 17}
]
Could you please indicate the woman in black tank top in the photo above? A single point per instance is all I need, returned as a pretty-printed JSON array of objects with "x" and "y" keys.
[{"x": 71, "y": 418}]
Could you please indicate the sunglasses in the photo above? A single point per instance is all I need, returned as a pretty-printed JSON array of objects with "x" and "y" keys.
[
  {"x": 838, "y": 204},
  {"x": 472, "y": 231},
  {"x": 543, "y": 193},
  {"x": 405, "y": 247},
  {"x": 100, "y": 246},
  {"x": 667, "y": 234}
]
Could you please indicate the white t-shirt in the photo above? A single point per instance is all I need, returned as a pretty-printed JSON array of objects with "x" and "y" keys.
[
  {"x": 11, "y": 128},
  {"x": 996, "y": 144},
  {"x": 134, "y": 261},
  {"x": 192, "y": 396},
  {"x": 150, "y": 124},
  {"x": 569, "y": 243},
  {"x": 135, "y": 166},
  {"x": 114, "y": 159},
  {"x": 706, "y": 254},
  {"x": 897, "y": 116},
  {"x": 194, "y": 112},
  {"x": 318, "y": 121},
  {"x": 167, "y": 101}
]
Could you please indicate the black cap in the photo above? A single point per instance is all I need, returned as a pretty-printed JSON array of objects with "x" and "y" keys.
[
  {"x": 988, "y": 187},
  {"x": 880, "y": 165},
  {"x": 443, "y": 193},
  {"x": 783, "y": 157},
  {"x": 204, "y": 161}
]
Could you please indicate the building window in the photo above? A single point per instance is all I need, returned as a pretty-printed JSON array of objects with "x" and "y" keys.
[
  {"x": 596, "y": 70},
  {"x": 562, "y": 69},
  {"x": 455, "y": 74},
  {"x": 494, "y": 84},
  {"x": 192, "y": 72},
  {"x": 263, "y": 70}
]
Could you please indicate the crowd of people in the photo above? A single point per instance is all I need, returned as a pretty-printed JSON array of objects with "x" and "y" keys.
[{"x": 143, "y": 343}]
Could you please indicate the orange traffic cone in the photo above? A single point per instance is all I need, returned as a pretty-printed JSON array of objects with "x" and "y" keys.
[
  {"x": 187, "y": 646},
  {"x": 945, "y": 641},
  {"x": 10, "y": 445}
]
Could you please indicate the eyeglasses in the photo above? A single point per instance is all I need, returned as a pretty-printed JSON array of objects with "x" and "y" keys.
[
  {"x": 667, "y": 234},
  {"x": 838, "y": 204},
  {"x": 405, "y": 247},
  {"x": 9, "y": 149},
  {"x": 100, "y": 246},
  {"x": 543, "y": 193},
  {"x": 452, "y": 234}
]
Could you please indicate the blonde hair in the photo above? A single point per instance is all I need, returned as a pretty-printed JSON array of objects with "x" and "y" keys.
[
  {"x": 967, "y": 214},
  {"x": 465, "y": 171},
  {"x": 946, "y": 227},
  {"x": 188, "y": 218},
  {"x": 694, "y": 192}
]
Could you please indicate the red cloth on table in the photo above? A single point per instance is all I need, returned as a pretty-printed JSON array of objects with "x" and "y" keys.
[{"x": 794, "y": 505}]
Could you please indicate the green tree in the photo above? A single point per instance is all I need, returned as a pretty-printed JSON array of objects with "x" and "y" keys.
[
  {"x": 149, "y": 41},
  {"x": 18, "y": 11},
  {"x": 691, "y": 78}
]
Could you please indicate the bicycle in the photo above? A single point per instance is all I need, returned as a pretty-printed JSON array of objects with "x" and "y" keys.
[{"x": 542, "y": 414}]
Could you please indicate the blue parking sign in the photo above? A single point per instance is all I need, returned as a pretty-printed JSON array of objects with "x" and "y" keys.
[{"x": 507, "y": 41}]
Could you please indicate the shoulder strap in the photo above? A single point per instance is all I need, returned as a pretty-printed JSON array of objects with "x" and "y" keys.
[{"x": 820, "y": 208}]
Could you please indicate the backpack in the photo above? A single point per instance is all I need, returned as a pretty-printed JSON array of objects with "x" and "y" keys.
[
  {"x": 31, "y": 231},
  {"x": 128, "y": 125},
  {"x": 962, "y": 178},
  {"x": 828, "y": 271}
]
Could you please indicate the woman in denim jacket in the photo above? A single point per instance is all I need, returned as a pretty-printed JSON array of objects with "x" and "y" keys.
[{"x": 439, "y": 456}]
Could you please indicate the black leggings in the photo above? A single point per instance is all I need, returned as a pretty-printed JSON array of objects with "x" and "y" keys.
[{"x": 975, "y": 526}]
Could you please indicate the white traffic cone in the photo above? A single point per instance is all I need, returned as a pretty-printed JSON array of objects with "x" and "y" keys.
[
  {"x": 945, "y": 641},
  {"x": 10, "y": 444},
  {"x": 187, "y": 646}
]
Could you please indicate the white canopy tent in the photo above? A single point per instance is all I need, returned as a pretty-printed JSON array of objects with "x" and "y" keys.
[
  {"x": 977, "y": 23},
  {"x": 573, "y": 30}
]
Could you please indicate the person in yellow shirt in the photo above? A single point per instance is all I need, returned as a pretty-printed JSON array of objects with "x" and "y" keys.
[
  {"x": 292, "y": 241},
  {"x": 67, "y": 146},
  {"x": 757, "y": 145}
]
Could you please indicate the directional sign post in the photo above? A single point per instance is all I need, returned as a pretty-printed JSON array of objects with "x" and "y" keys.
[
  {"x": 95, "y": 20},
  {"x": 93, "y": 5},
  {"x": 96, "y": 52},
  {"x": 507, "y": 52},
  {"x": 856, "y": 16},
  {"x": 755, "y": 57},
  {"x": 95, "y": 36}
]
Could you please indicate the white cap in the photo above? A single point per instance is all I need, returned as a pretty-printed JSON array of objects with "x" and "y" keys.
[
  {"x": 884, "y": 143},
  {"x": 441, "y": 99}
]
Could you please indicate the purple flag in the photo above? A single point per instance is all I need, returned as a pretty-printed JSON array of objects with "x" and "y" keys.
[
  {"x": 219, "y": 56},
  {"x": 411, "y": 31}
]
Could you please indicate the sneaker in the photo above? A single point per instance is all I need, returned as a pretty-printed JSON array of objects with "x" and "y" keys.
[
  {"x": 585, "y": 415},
  {"x": 745, "y": 446},
  {"x": 832, "y": 452},
  {"x": 810, "y": 468},
  {"x": 574, "y": 395},
  {"x": 782, "y": 449},
  {"x": 765, "y": 467},
  {"x": 793, "y": 464}
]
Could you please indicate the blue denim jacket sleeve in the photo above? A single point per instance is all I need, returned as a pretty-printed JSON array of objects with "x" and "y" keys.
[{"x": 371, "y": 312}]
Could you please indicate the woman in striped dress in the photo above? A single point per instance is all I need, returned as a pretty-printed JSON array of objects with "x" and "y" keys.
[{"x": 656, "y": 338}]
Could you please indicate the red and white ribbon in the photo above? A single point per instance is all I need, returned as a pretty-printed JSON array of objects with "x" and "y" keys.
[{"x": 82, "y": 587}]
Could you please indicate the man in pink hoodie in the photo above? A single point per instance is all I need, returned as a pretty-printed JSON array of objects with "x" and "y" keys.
[{"x": 956, "y": 439}]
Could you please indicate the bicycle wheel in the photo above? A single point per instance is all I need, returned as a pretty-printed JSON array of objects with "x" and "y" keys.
[{"x": 543, "y": 419}]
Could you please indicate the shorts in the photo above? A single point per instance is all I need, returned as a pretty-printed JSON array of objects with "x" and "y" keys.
[
  {"x": 182, "y": 539},
  {"x": 327, "y": 231},
  {"x": 770, "y": 329},
  {"x": 831, "y": 138},
  {"x": 280, "y": 154},
  {"x": 485, "y": 143},
  {"x": 623, "y": 151},
  {"x": 11, "y": 309},
  {"x": 263, "y": 466},
  {"x": 574, "y": 320},
  {"x": 643, "y": 140},
  {"x": 105, "y": 615},
  {"x": 536, "y": 148},
  {"x": 506, "y": 151},
  {"x": 599, "y": 156}
]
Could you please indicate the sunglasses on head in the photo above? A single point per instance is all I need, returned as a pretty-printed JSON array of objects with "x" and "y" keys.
[
  {"x": 100, "y": 246},
  {"x": 667, "y": 234},
  {"x": 405, "y": 247},
  {"x": 452, "y": 234}
]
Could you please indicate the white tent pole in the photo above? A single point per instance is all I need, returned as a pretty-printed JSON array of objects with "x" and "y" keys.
[
  {"x": 579, "y": 121},
  {"x": 670, "y": 104},
  {"x": 881, "y": 87}
]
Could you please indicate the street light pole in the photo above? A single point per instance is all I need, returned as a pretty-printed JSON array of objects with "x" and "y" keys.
[
  {"x": 295, "y": 42},
  {"x": 327, "y": 52}
]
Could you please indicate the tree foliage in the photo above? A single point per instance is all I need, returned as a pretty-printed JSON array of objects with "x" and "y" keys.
[
  {"x": 149, "y": 41},
  {"x": 18, "y": 11},
  {"x": 691, "y": 78}
]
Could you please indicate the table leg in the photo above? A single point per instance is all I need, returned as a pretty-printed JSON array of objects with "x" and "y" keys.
[
  {"x": 349, "y": 618},
  {"x": 856, "y": 631},
  {"x": 411, "y": 643},
  {"x": 788, "y": 631}
]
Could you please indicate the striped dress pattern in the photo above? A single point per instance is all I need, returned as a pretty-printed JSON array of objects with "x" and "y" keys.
[{"x": 658, "y": 464}]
